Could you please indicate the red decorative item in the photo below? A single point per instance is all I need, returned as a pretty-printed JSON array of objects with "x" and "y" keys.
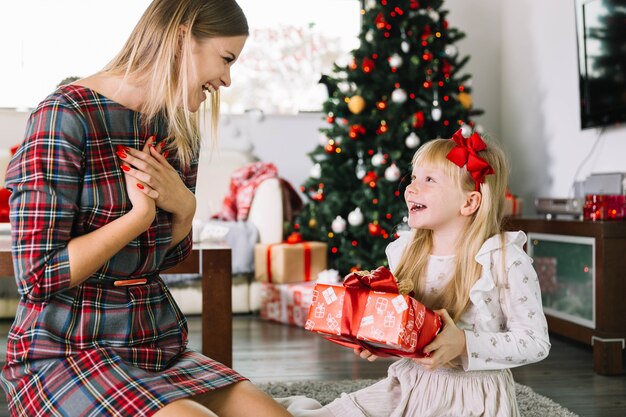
[
  {"x": 370, "y": 177},
  {"x": 367, "y": 65},
  {"x": 356, "y": 131},
  {"x": 330, "y": 119},
  {"x": 295, "y": 237},
  {"x": 446, "y": 67},
  {"x": 418, "y": 119},
  {"x": 330, "y": 148},
  {"x": 414, "y": 4},
  {"x": 380, "y": 21},
  {"x": 359, "y": 313},
  {"x": 4, "y": 205},
  {"x": 374, "y": 229},
  {"x": 604, "y": 207},
  {"x": 465, "y": 153}
]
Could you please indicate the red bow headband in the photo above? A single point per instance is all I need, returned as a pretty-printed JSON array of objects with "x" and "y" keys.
[{"x": 465, "y": 153}]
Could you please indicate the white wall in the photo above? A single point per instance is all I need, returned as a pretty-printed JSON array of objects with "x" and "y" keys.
[
  {"x": 539, "y": 99},
  {"x": 523, "y": 62}
]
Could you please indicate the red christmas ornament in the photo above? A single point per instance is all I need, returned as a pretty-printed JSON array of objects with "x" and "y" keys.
[
  {"x": 370, "y": 179},
  {"x": 330, "y": 148},
  {"x": 368, "y": 65},
  {"x": 427, "y": 32},
  {"x": 380, "y": 21},
  {"x": 295, "y": 237},
  {"x": 356, "y": 131},
  {"x": 330, "y": 119},
  {"x": 446, "y": 67},
  {"x": 317, "y": 196},
  {"x": 353, "y": 64},
  {"x": 381, "y": 105},
  {"x": 374, "y": 229},
  {"x": 418, "y": 119}
]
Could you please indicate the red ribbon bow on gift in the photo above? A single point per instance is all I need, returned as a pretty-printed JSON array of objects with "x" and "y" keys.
[{"x": 465, "y": 153}]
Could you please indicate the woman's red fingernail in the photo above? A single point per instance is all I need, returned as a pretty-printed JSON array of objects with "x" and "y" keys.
[
  {"x": 126, "y": 168},
  {"x": 141, "y": 187},
  {"x": 121, "y": 154},
  {"x": 165, "y": 154},
  {"x": 119, "y": 148},
  {"x": 126, "y": 148}
]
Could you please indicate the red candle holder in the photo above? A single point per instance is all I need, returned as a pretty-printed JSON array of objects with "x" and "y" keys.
[{"x": 604, "y": 207}]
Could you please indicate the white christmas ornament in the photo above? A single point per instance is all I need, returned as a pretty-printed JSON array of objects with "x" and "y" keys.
[
  {"x": 392, "y": 173},
  {"x": 479, "y": 129},
  {"x": 344, "y": 87},
  {"x": 450, "y": 50},
  {"x": 338, "y": 225},
  {"x": 370, "y": 4},
  {"x": 316, "y": 171},
  {"x": 378, "y": 159},
  {"x": 433, "y": 15},
  {"x": 323, "y": 139},
  {"x": 436, "y": 113},
  {"x": 405, "y": 46},
  {"x": 466, "y": 131},
  {"x": 395, "y": 61},
  {"x": 369, "y": 36},
  {"x": 360, "y": 170},
  {"x": 355, "y": 218},
  {"x": 412, "y": 141},
  {"x": 398, "y": 96}
]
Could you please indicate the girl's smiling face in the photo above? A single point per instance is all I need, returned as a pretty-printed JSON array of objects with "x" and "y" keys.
[{"x": 434, "y": 200}]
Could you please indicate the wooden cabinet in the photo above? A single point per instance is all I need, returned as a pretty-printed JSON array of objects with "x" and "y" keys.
[{"x": 598, "y": 255}]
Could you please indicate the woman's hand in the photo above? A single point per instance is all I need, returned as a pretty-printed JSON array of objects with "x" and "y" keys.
[
  {"x": 448, "y": 345},
  {"x": 365, "y": 354},
  {"x": 142, "y": 202},
  {"x": 159, "y": 180}
]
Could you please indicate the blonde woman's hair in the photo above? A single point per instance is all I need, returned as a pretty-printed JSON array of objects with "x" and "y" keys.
[
  {"x": 484, "y": 223},
  {"x": 157, "y": 56}
]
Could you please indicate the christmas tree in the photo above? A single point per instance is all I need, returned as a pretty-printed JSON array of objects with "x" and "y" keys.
[{"x": 402, "y": 87}]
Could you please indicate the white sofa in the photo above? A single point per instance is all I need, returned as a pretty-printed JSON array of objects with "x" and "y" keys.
[{"x": 266, "y": 215}]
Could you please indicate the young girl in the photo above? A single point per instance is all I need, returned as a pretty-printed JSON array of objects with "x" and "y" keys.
[
  {"x": 102, "y": 202},
  {"x": 458, "y": 262}
]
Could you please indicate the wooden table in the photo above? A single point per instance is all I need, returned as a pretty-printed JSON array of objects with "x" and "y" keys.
[{"x": 214, "y": 264}]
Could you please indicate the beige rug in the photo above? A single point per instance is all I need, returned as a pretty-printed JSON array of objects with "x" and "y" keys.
[{"x": 530, "y": 403}]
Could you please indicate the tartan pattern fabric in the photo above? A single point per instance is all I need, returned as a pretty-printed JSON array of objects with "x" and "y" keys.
[{"x": 94, "y": 349}]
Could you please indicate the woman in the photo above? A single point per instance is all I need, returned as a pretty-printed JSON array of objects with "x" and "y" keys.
[{"x": 102, "y": 201}]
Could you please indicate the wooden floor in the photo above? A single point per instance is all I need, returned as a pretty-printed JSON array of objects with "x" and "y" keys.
[{"x": 265, "y": 352}]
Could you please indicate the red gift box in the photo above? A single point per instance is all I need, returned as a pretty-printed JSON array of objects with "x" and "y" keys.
[
  {"x": 286, "y": 303},
  {"x": 368, "y": 312}
]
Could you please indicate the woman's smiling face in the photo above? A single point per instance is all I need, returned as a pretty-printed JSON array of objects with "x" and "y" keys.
[{"x": 210, "y": 64}]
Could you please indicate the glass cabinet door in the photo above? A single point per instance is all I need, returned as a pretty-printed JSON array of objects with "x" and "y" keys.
[{"x": 565, "y": 266}]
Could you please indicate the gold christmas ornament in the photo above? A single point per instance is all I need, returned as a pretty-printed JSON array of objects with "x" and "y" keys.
[
  {"x": 356, "y": 104},
  {"x": 465, "y": 99},
  {"x": 312, "y": 223}
]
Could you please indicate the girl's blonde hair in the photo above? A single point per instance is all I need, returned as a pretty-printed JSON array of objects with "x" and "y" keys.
[
  {"x": 157, "y": 55},
  {"x": 484, "y": 223}
]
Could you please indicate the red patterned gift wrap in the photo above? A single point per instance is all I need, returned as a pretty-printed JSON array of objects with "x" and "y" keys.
[
  {"x": 286, "y": 303},
  {"x": 368, "y": 312}
]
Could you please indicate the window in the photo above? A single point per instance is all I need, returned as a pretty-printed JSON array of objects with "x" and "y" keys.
[{"x": 292, "y": 43}]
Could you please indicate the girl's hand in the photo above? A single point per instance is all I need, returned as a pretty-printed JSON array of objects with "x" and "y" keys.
[
  {"x": 365, "y": 354},
  {"x": 448, "y": 345},
  {"x": 160, "y": 180}
]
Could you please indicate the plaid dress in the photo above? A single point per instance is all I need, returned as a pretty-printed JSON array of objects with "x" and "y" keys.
[{"x": 93, "y": 349}]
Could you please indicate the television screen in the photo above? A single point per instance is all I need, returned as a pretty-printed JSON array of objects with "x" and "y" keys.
[{"x": 601, "y": 31}]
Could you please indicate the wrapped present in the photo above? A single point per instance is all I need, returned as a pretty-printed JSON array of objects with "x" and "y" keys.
[
  {"x": 286, "y": 303},
  {"x": 512, "y": 204},
  {"x": 368, "y": 312},
  {"x": 290, "y": 261}
]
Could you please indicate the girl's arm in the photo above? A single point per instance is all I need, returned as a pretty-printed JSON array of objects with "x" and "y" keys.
[{"x": 523, "y": 338}]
